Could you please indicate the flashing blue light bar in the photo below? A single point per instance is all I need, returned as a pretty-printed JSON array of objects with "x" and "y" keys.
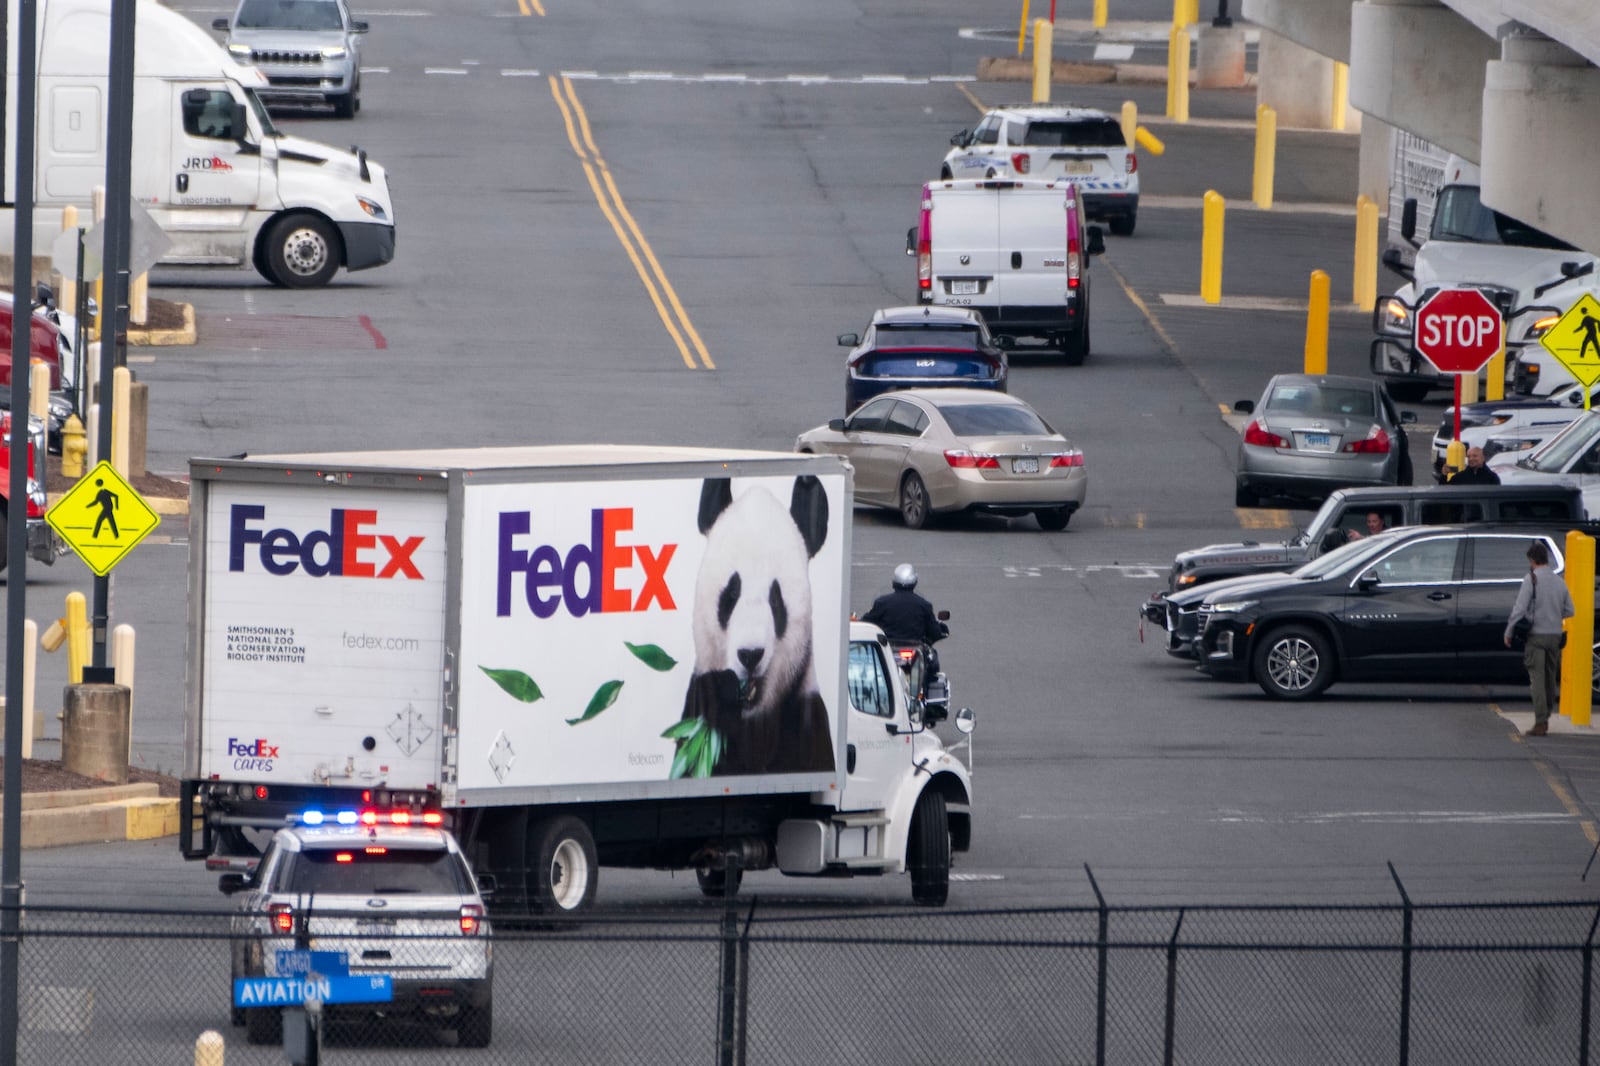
[{"x": 310, "y": 817}]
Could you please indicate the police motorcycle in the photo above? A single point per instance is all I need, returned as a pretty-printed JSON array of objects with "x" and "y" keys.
[{"x": 924, "y": 681}]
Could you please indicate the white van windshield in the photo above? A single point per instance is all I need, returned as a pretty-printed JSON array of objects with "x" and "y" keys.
[{"x": 1460, "y": 216}]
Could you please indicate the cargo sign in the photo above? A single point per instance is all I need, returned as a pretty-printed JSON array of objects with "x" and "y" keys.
[
  {"x": 298, "y": 990},
  {"x": 641, "y": 632},
  {"x": 325, "y": 625}
]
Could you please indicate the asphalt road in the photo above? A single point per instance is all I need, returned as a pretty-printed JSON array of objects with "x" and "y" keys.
[{"x": 770, "y": 159}]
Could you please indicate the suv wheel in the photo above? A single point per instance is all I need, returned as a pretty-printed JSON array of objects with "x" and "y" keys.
[
  {"x": 1293, "y": 663},
  {"x": 1122, "y": 225}
]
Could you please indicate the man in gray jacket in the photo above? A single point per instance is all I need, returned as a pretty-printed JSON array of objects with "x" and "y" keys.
[{"x": 1546, "y": 604}]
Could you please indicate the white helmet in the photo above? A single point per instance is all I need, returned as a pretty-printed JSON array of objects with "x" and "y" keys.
[{"x": 905, "y": 577}]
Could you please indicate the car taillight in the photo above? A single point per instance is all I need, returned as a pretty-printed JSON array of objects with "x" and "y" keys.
[
  {"x": 907, "y": 654},
  {"x": 925, "y": 243},
  {"x": 1021, "y": 163},
  {"x": 1067, "y": 459},
  {"x": 965, "y": 460},
  {"x": 471, "y": 918},
  {"x": 1073, "y": 269},
  {"x": 1376, "y": 442},
  {"x": 1256, "y": 433},
  {"x": 1133, "y": 163},
  {"x": 432, "y": 818},
  {"x": 282, "y": 916}
]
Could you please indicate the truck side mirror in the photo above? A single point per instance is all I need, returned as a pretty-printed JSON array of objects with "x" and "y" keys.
[
  {"x": 1408, "y": 221},
  {"x": 228, "y": 884},
  {"x": 966, "y": 721},
  {"x": 911, "y": 241},
  {"x": 1097, "y": 240},
  {"x": 1391, "y": 259},
  {"x": 486, "y": 885}
]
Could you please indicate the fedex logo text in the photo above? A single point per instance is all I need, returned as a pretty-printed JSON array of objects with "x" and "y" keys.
[
  {"x": 254, "y": 754},
  {"x": 544, "y": 568},
  {"x": 344, "y": 549}
]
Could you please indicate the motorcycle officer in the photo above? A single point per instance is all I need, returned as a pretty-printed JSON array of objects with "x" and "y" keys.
[{"x": 905, "y": 616}]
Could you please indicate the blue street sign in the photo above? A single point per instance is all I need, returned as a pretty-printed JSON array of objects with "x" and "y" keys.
[
  {"x": 294, "y": 991},
  {"x": 295, "y": 962}
]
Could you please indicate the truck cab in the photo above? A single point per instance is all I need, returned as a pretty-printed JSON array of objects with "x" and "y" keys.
[{"x": 1526, "y": 273}]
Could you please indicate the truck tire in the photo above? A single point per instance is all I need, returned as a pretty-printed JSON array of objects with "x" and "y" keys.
[
  {"x": 263, "y": 1025},
  {"x": 713, "y": 881},
  {"x": 928, "y": 854},
  {"x": 563, "y": 867},
  {"x": 475, "y": 1025},
  {"x": 1293, "y": 663},
  {"x": 302, "y": 252}
]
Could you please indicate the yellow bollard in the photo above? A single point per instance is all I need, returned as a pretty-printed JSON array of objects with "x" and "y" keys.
[
  {"x": 1266, "y": 156},
  {"x": 1469, "y": 388},
  {"x": 1365, "y": 289},
  {"x": 39, "y": 391},
  {"x": 1180, "y": 13},
  {"x": 121, "y": 400},
  {"x": 139, "y": 300},
  {"x": 1172, "y": 71},
  {"x": 100, "y": 307},
  {"x": 30, "y": 672},
  {"x": 1455, "y": 457},
  {"x": 1211, "y": 248},
  {"x": 1022, "y": 30},
  {"x": 1180, "y": 73},
  {"x": 1317, "y": 324},
  {"x": 1577, "y": 659},
  {"x": 1130, "y": 122},
  {"x": 54, "y": 634},
  {"x": 122, "y": 651},
  {"x": 1494, "y": 385},
  {"x": 1043, "y": 43},
  {"x": 208, "y": 1048},
  {"x": 74, "y": 447},
  {"x": 1341, "y": 95},
  {"x": 77, "y": 636},
  {"x": 1193, "y": 11},
  {"x": 1149, "y": 141},
  {"x": 1099, "y": 14}
]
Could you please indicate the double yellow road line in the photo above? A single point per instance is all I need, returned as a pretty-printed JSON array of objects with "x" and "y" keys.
[{"x": 673, "y": 316}]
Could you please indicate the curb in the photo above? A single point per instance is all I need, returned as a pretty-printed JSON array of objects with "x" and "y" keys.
[
  {"x": 97, "y": 816},
  {"x": 166, "y": 338}
]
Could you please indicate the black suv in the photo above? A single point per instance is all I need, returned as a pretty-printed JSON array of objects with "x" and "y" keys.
[{"x": 1415, "y": 604}]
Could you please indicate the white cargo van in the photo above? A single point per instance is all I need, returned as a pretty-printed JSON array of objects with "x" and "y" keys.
[
  {"x": 1015, "y": 251},
  {"x": 227, "y": 187}
]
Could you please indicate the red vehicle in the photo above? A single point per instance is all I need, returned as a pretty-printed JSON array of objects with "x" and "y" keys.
[
  {"x": 45, "y": 346},
  {"x": 43, "y": 544}
]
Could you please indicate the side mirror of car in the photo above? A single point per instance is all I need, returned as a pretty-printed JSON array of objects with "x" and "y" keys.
[
  {"x": 234, "y": 882},
  {"x": 1005, "y": 344},
  {"x": 911, "y": 241},
  {"x": 836, "y": 425},
  {"x": 358, "y": 27},
  {"x": 220, "y": 25},
  {"x": 962, "y": 139},
  {"x": 486, "y": 885},
  {"x": 1097, "y": 240},
  {"x": 1408, "y": 418},
  {"x": 848, "y": 340},
  {"x": 1245, "y": 407},
  {"x": 1368, "y": 581}
]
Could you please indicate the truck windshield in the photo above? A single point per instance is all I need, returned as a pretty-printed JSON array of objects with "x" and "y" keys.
[
  {"x": 1460, "y": 216},
  {"x": 1557, "y": 453}
]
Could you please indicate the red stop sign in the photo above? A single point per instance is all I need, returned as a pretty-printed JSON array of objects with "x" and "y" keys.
[{"x": 1459, "y": 330}]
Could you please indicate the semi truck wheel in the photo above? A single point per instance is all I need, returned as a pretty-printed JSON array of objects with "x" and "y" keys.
[
  {"x": 928, "y": 856},
  {"x": 563, "y": 868},
  {"x": 302, "y": 252}
]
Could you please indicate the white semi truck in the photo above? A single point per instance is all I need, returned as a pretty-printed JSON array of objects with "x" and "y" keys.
[
  {"x": 226, "y": 187},
  {"x": 573, "y": 656}
]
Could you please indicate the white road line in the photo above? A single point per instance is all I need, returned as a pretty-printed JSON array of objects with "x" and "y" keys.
[
  {"x": 1140, "y": 571},
  {"x": 375, "y": 70},
  {"x": 976, "y": 877},
  {"x": 519, "y": 73},
  {"x": 444, "y": 70}
]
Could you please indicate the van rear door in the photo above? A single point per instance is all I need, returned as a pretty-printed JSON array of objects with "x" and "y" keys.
[
  {"x": 965, "y": 245},
  {"x": 1032, "y": 225}
]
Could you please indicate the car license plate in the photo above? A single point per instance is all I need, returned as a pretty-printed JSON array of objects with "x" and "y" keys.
[
  {"x": 964, "y": 287},
  {"x": 1316, "y": 442},
  {"x": 1077, "y": 166},
  {"x": 375, "y": 926},
  {"x": 1029, "y": 465}
]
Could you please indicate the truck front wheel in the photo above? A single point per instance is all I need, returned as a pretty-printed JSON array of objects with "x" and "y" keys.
[
  {"x": 928, "y": 856},
  {"x": 302, "y": 252},
  {"x": 563, "y": 867}
]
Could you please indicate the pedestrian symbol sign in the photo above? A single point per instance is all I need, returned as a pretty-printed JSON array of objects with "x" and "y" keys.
[
  {"x": 1575, "y": 341},
  {"x": 102, "y": 518}
]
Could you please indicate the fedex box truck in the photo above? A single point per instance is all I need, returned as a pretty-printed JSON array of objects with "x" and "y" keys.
[{"x": 573, "y": 656}]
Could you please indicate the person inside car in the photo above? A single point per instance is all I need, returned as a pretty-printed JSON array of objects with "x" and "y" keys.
[{"x": 1375, "y": 524}]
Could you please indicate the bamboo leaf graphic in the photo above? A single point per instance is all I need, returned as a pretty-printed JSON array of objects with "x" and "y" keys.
[
  {"x": 714, "y": 746},
  {"x": 652, "y": 656},
  {"x": 515, "y": 683},
  {"x": 604, "y": 696},
  {"x": 680, "y": 763},
  {"x": 686, "y": 728}
]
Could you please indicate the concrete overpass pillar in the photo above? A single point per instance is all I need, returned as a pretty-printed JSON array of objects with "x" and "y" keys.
[
  {"x": 1418, "y": 65},
  {"x": 1375, "y": 158},
  {"x": 1541, "y": 157},
  {"x": 1297, "y": 83}
]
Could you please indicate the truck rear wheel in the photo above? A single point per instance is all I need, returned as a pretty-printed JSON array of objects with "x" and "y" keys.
[
  {"x": 563, "y": 867},
  {"x": 928, "y": 856}
]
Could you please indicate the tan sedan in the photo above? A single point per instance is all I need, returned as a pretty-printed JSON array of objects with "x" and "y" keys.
[{"x": 929, "y": 451}]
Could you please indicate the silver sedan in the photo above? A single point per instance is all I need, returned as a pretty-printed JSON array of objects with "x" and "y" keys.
[{"x": 930, "y": 451}]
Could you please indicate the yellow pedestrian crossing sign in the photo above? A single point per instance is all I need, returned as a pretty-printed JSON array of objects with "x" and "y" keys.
[
  {"x": 1575, "y": 341},
  {"x": 102, "y": 518}
]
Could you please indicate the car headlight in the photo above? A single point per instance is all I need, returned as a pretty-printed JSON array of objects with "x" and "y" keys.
[
  {"x": 1233, "y": 606},
  {"x": 239, "y": 51},
  {"x": 337, "y": 51},
  {"x": 373, "y": 208}
]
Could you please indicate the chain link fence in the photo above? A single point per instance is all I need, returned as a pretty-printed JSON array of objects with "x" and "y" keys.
[{"x": 752, "y": 985}]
